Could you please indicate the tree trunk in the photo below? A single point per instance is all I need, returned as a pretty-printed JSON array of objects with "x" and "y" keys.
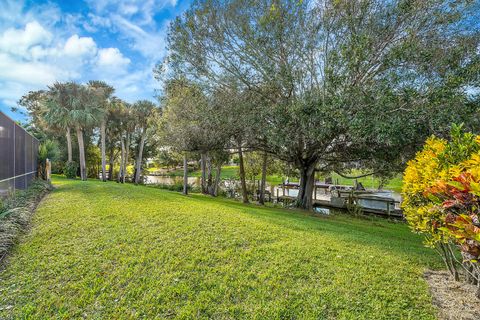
[
  {"x": 138, "y": 170},
  {"x": 242, "y": 174},
  {"x": 307, "y": 183},
  {"x": 209, "y": 188},
  {"x": 217, "y": 178},
  {"x": 69, "y": 144},
  {"x": 111, "y": 165},
  {"x": 203, "y": 166},
  {"x": 127, "y": 151},
  {"x": 81, "y": 152},
  {"x": 185, "y": 174},
  {"x": 121, "y": 173},
  {"x": 261, "y": 199},
  {"x": 104, "y": 158}
]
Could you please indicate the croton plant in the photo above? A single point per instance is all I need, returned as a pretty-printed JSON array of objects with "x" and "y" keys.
[
  {"x": 459, "y": 200},
  {"x": 441, "y": 193}
]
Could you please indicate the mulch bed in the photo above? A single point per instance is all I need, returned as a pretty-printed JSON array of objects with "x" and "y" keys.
[{"x": 454, "y": 300}]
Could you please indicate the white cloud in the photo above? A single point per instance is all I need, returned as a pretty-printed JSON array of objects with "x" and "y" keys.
[
  {"x": 28, "y": 72},
  {"x": 112, "y": 59},
  {"x": 40, "y": 44},
  {"x": 80, "y": 46},
  {"x": 128, "y": 9},
  {"x": 19, "y": 41},
  {"x": 13, "y": 14},
  {"x": 32, "y": 57},
  {"x": 95, "y": 21},
  {"x": 134, "y": 20},
  {"x": 135, "y": 85},
  {"x": 140, "y": 11},
  {"x": 149, "y": 44}
]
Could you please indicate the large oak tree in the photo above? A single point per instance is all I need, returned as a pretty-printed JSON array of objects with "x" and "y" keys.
[{"x": 342, "y": 83}]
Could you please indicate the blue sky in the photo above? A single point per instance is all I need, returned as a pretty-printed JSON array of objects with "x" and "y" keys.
[{"x": 116, "y": 41}]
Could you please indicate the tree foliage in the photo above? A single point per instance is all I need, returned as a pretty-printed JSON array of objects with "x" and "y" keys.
[
  {"x": 91, "y": 113},
  {"x": 333, "y": 84}
]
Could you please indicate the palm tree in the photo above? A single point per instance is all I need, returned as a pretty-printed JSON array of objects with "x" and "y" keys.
[
  {"x": 84, "y": 113},
  {"x": 103, "y": 95},
  {"x": 124, "y": 124},
  {"x": 113, "y": 132},
  {"x": 57, "y": 115},
  {"x": 128, "y": 125},
  {"x": 144, "y": 111}
]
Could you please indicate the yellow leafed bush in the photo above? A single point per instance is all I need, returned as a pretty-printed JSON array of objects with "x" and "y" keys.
[{"x": 441, "y": 197}]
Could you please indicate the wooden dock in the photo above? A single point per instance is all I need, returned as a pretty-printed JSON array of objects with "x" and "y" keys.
[
  {"x": 368, "y": 201},
  {"x": 394, "y": 212}
]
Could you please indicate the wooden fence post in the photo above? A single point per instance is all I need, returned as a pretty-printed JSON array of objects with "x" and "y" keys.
[{"x": 48, "y": 170}]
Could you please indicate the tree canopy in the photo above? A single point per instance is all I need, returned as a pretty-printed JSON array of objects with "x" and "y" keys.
[{"x": 333, "y": 84}]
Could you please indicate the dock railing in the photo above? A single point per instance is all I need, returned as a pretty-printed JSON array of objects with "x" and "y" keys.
[{"x": 370, "y": 201}]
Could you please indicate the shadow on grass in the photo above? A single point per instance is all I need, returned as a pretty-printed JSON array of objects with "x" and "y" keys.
[{"x": 372, "y": 232}]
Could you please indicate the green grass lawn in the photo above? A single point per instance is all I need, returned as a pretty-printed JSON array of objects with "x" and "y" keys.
[{"x": 110, "y": 251}]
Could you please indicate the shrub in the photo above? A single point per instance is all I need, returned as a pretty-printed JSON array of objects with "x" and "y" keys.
[
  {"x": 441, "y": 199},
  {"x": 70, "y": 169},
  {"x": 352, "y": 204},
  {"x": 16, "y": 211},
  {"x": 231, "y": 188}
]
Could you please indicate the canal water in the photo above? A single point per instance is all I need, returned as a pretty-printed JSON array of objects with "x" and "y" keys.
[
  {"x": 168, "y": 180},
  {"x": 195, "y": 182}
]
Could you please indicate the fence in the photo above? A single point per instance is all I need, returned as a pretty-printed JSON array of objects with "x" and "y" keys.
[{"x": 18, "y": 156}]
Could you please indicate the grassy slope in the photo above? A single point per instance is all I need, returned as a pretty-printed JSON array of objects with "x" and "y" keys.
[{"x": 110, "y": 251}]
